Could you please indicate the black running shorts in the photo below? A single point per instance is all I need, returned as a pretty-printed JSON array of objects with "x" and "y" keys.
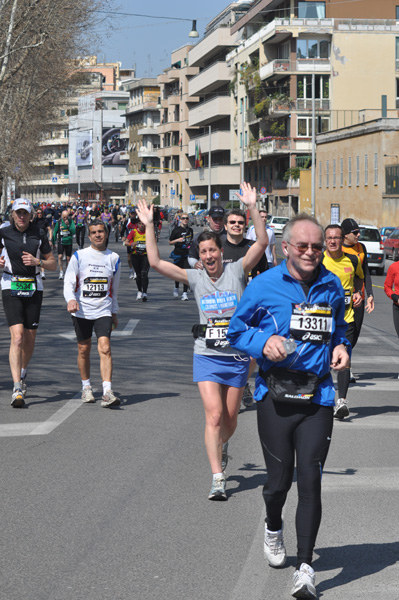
[
  {"x": 25, "y": 311},
  {"x": 84, "y": 327},
  {"x": 65, "y": 249}
]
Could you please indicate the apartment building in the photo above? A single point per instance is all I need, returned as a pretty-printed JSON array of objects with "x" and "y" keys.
[
  {"x": 175, "y": 130},
  {"x": 357, "y": 173},
  {"x": 142, "y": 122},
  {"x": 213, "y": 177},
  {"x": 332, "y": 51},
  {"x": 50, "y": 181},
  {"x": 98, "y": 155}
]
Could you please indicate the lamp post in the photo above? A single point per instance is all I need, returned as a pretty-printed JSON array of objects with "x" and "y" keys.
[{"x": 179, "y": 176}]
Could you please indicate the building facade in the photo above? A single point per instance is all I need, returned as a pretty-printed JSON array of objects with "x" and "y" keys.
[
  {"x": 357, "y": 173},
  {"x": 142, "y": 122}
]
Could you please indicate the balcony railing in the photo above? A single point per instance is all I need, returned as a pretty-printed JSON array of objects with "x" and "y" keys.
[
  {"x": 284, "y": 145},
  {"x": 285, "y": 66}
]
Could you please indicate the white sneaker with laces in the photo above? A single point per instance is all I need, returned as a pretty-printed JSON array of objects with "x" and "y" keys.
[
  {"x": 139, "y": 296},
  {"x": 184, "y": 296},
  {"x": 61, "y": 275},
  {"x": 304, "y": 583},
  {"x": 176, "y": 293},
  {"x": 274, "y": 548},
  {"x": 87, "y": 395},
  {"x": 109, "y": 399}
]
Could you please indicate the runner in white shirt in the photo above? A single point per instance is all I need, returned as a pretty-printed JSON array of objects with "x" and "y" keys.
[
  {"x": 91, "y": 289},
  {"x": 271, "y": 247}
]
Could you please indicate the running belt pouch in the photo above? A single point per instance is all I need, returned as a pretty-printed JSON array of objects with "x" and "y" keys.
[{"x": 292, "y": 387}]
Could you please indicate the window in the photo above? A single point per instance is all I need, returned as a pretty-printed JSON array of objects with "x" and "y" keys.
[
  {"x": 341, "y": 172},
  {"x": 320, "y": 174},
  {"x": 375, "y": 169},
  {"x": 66, "y": 133},
  {"x": 349, "y": 171},
  {"x": 308, "y": 48},
  {"x": 397, "y": 54},
  {"x": 246, "y": 140},
  {"x": 357, "y": 170},
  {"x": 241, "y": 139},
  {"x": 241, "y": 105},
  {"x": 334, "y": 173},
  {"x": 304, "y": 126},
  {"x": 366, "y": 169},
  {"x": 66, "y": 154},
  {"x": 327, "y": 173},
  {"x": 311, "y": 10}
]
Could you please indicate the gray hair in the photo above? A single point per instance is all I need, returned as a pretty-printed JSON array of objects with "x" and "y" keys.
[{"x": 286, "y": 237}]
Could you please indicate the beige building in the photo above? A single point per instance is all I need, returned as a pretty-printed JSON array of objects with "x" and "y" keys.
[
  {"x": 142, "y": 122},
  {"x": 357, "y": 174},
  {"x": 339, "y": 50},
  {"x": 212, "y": 173},
  {"x": 175, "y": 130}
]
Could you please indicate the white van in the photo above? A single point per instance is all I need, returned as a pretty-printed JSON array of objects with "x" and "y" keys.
[{"x": 371, "y": 238}]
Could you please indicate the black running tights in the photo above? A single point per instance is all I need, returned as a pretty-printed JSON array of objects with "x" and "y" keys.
[
  {"x": 286, "y": 430},
  {"x": 141, "y": 267}
]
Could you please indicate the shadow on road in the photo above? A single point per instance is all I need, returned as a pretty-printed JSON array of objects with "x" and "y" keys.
[{"x": 356, "y": 562}]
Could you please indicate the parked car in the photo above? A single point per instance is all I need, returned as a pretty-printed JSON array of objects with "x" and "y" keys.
[
  {"x": 391, "y": 245},
  {"x": 371, "y": 238},
  {"x": 277, "y": 223},
  {"x": 385, "y": 232}
]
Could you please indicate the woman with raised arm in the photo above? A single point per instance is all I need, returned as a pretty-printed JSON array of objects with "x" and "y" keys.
[{"x": 220, "y": 371}]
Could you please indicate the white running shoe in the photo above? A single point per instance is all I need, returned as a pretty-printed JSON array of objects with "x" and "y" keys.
[
  {"x": 274, "y": 548},
  {"x": 176, "y": 293},
  {"x": 184, "y": 296},
  {"x": 17, "y": 399},
  {"x": 144, "y": 297},
  {"x": 109, "y": 399},
  {"x": 139, "y": 296},
  {"x": 304, "y": 580},
  {"x": 61, "y": 275},
  {"x": 87, "y": 395},
  {"x": 341, "y": 409},
  {"x": 218, "y": 489},
  {"x": 132, "y": 274}
]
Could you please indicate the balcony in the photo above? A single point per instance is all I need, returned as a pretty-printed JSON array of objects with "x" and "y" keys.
[
  {"x": 220, "y": 140},
  {"x": 62, "y": 141},
  {"x": 140, "y": 176},
  {"x": 134, "y": 108},
  {"x": 306, "y": 104},
  {"x": 166, "y": 151},
  {"x": 168, "y": 127},
  {"x": 282, "y": 67},
  {"x": 147, "y": 152},
  {"x": 210, "y": 45},
  {"x": 148, "y": 130},
  {"x": 210, "y": 110},
  {"x": 220, "y": 175},
  {"x": 209, "y": 79},
  {"x": 284, "y": 146},
  {"x": 124, "y": 134}
]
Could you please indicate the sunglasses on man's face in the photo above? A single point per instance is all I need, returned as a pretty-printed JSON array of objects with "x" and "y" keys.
[
  {"x": 303, "y": 247},
  {"x": 236, "y": 222},
  {"x": 356, "y": 231}
]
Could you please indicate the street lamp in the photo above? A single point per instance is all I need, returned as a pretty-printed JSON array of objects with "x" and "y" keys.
[
  {"x": 179, "y": 176},
  {"x": 193, "y": 33}
]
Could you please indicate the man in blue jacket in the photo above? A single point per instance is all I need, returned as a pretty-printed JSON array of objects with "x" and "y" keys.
[{"x": 291, "y": 319}]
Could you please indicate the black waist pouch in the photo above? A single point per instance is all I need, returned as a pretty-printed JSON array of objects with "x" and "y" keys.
[{"x": 294, "y": 387}]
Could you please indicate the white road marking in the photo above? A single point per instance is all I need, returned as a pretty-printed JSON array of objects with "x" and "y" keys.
[
  {"x": 375, "y": 385},
  {"x": 371, "y": 360},
  {"x": 46, "y": 427},
  {"x": 128, "y": 330}
]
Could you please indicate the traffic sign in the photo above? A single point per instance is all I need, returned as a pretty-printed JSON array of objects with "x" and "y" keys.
[
  {"x": 233, "y": 195},
  {"x": 216, "y": 196},
  {"x": 262, "y": 190},
  {"x": 54, "y": 179},
  {"x": 172, "y": 192},
  {"x": 192, "y": 198}
]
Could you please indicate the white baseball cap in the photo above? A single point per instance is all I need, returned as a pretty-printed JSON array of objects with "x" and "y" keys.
[{"x": 22, "y": 203}]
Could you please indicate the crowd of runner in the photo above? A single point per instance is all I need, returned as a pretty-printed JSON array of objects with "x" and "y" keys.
[{"x": 296, "y": 321}]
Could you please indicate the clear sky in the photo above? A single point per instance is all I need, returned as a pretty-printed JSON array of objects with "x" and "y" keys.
[{"x": 148, "y": 42}]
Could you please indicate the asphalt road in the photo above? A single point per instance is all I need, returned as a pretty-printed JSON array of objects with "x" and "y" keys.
[{"x": 101, "y": 504}]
